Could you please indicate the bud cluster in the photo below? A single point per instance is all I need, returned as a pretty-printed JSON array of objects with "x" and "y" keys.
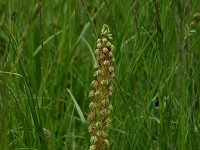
[{"x": 100, "y": 106}]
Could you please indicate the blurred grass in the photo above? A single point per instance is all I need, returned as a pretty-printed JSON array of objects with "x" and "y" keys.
[{"x": 45, "y": 49}]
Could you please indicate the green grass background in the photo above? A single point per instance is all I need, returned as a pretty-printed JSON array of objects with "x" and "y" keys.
[{"x": 45, "y": 49}]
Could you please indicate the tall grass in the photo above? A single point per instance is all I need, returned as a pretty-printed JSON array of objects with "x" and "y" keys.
[{"x": 46, "y": 56}]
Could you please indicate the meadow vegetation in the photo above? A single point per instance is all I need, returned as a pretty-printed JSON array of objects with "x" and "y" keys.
[{"x": 47, "y": 52}]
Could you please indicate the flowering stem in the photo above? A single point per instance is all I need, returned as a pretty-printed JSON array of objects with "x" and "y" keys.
[{"x": 100, "y": 105}]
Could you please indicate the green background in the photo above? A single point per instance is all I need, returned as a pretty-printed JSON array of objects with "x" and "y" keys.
[{"x": 46, "y": 73}]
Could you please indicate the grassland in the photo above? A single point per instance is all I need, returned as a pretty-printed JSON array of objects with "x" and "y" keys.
[{"x": 46, "y": 65}]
